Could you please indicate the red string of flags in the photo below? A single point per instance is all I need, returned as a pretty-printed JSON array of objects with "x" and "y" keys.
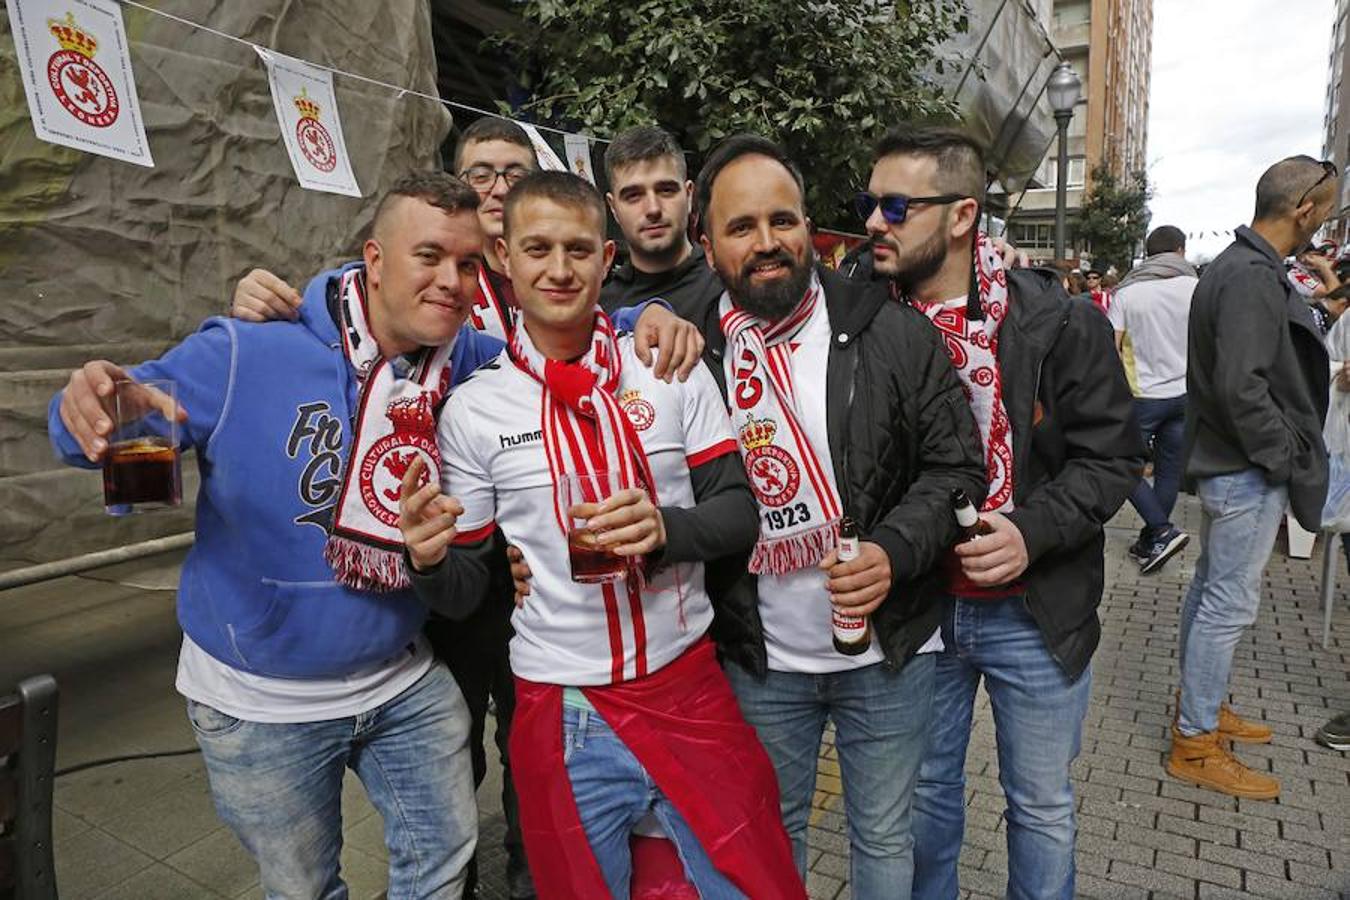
[{"x": 75, "y": 62}]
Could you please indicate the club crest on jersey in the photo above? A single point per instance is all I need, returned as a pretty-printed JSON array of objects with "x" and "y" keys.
[
  {"x": 773, "y": 473},
  {"x": 315, "y": 142},
  {"x": 641, "y": 413},
  {"x": 389, "y": 458},
  {"x": 79, "y": 83}
]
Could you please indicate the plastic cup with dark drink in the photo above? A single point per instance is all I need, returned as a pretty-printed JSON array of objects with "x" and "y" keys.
[
  {"x": 141, "y": 470},
  {"x": 591, "y": 564}
]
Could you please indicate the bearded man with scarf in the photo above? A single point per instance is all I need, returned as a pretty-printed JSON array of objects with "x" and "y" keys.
[
  {"x": 1062, "y": 453},
  {"x": 622, "y": 712},
  {"x": 844, "y": 405}
]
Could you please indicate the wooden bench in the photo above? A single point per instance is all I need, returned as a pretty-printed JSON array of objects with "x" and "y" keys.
[{"x": 27, "y": 761}]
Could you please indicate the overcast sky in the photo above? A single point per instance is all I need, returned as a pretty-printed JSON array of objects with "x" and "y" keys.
[{"x": 1237, "y": 85}]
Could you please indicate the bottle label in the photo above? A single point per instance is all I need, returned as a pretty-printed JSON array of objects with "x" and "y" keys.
[
  {"x": 848, "y": 549},
  {"x": 847, "y": 628},
  {"x": 966, "y": 516}
]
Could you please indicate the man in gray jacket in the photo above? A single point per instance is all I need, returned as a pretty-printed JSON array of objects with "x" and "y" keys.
[{"x": 1257, "y": 383}]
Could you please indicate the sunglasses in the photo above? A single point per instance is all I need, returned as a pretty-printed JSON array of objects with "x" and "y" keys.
[
  {"x": 895, "y": 207},
  {"x": 1329, "y": 171}
]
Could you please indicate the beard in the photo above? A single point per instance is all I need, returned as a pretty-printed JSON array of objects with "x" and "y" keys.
[
  {"x": 774, "y": 300},
  {"x": 922, "y": 262}
]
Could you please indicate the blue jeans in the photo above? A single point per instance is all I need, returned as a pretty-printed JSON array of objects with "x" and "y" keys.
[
  {"x": 613, "y": 792},
  {"x": 1241, "y": 515},
  {"x": 881, "y": 720},
  {"x": 1163, "y": 425},
  {"x": 279, "y": 788},
  {"x": 1038, "y": 725}
]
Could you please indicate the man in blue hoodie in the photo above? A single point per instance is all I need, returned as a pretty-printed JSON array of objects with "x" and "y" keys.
[{"x": 292, "y": 676}]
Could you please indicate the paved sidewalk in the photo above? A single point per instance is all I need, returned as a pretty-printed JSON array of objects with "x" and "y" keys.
[{"x": 146, "y": 829}]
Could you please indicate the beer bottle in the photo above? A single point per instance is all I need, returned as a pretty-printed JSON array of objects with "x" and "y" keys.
[
  {"x": 852, "y": 634},
  {"x": 972, "y": 526}
]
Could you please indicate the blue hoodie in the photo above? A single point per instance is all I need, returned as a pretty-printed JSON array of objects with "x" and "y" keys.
[{"x": 269, "y": 413}]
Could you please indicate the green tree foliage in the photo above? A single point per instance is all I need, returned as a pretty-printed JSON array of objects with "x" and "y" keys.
[
  {"x": 1114, "y": 217},
  {"x": 823, "y": 77}
]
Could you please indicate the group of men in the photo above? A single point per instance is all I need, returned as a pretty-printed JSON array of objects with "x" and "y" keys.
[{"x": 391, "y": 480}]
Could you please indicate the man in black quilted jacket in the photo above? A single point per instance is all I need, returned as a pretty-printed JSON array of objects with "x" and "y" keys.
[
  {"x": 845, "y": 405},
  {"x": 1062, "y": 452}
]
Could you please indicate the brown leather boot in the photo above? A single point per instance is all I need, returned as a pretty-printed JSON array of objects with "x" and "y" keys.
[
  {"x": 1206, "y": 760},
  {"x": 1233, "y": 727}
]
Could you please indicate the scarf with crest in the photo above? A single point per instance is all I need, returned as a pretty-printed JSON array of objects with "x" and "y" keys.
[
  {"x": 586, "y": 432},
  {"x": 972, "y": 346},
  {"x": 798, "y": 499},
  {"x": 395, "y": 423}
]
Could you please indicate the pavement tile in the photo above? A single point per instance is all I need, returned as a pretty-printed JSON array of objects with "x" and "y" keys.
[
  {"x": 1153, "y": 879},
  {"x": 218, "y": 861},
  {"x": 1199, "y": 869},
  {"x": 93, "y": 862},
  {"x": 159, "y": 882}
]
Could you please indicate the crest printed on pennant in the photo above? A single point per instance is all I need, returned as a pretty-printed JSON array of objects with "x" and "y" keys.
[
  {"x": 75, "y": 64},
  {"x": 79, "y": 83},
  {"x": 314, "y": 140}
]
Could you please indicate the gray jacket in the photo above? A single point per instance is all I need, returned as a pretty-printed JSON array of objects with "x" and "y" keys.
[{"x": 1257, "y": 378}]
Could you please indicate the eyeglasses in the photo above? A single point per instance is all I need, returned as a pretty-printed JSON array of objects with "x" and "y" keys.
[
  {"x": 1329, "y": 171},
  {"x": 484, "y": 178},
  {"x": 895, "y": 207}
]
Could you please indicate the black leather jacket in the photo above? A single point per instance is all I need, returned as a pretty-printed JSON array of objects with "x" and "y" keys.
[{"x": 901, "y": 437}]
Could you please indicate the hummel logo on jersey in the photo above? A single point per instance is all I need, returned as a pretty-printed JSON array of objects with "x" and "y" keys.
[{"x": 515, "y": 440}]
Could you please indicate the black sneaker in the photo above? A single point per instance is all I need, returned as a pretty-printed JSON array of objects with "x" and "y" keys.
[
  {"x": 1165, "y": 546},
  {"x": 1138, "y": 551},
  {"x": 1336, "y": 733}
]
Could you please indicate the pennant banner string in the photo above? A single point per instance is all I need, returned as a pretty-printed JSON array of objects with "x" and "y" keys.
[{"x": 352, "y": 75}]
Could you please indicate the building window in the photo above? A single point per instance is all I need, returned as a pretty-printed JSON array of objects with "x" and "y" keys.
[
  {"x": 1032, "y": 236},
  {"x": 1049, "y": 169}
]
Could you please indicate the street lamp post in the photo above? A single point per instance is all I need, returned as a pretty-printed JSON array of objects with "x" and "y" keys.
[{"x": 1064, "y": 90}]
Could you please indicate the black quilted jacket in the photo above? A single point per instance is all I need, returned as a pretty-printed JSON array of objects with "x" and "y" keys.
[{"x": 901, "y": 437}]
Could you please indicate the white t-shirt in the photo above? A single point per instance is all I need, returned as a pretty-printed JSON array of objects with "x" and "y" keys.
[
  {"x": 1155, "y": 314},
  {"x": 795, "y": 608},
  {"x": 494, "y": 463},
  {"x": 258, "y": 698}
]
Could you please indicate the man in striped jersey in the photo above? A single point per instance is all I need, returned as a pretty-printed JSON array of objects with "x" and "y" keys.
[{"x": 621, "y": 710}]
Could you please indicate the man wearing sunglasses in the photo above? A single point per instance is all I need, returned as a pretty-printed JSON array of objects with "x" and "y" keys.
[
  {"x": 1062, "y": 452},
  {"x": 1257, "y": 384}
]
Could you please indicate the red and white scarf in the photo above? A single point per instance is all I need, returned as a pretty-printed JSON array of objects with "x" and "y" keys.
[
  {"x": 586, "y": 432},
  {"x": 395, "y": 423},
  {"x": 491, "y": 313},
  {"x": 973, "y": 349},
  {"x": 792, "y": 482}
]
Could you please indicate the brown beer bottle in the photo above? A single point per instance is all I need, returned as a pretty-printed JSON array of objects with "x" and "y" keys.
[
  {"x": 972, "y": 526},
  {"x": 852, "y": 634}
]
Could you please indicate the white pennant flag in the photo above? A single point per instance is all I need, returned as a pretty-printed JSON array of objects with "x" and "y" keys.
[
  {"x": 77, "y": 76},
  {"x": 578, "y": 148},
  {"x": 307, "y": 112},
  {"x": 548, "y": 159}
]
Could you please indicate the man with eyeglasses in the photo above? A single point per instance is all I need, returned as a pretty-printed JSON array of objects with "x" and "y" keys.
[
  {"x": 1257, "y": 384},
  {"x": 1061, "y": 452}
]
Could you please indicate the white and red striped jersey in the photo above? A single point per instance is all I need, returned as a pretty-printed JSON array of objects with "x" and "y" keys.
[{"x": 494, "y": 463}]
